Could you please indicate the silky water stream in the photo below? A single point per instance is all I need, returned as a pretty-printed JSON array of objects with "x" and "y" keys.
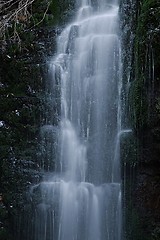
[{"x": 82, "y": 201}]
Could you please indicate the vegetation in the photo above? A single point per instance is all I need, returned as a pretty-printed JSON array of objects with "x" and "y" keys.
[
  {"x": 147, "y": 61},
  {"x": 21, "y": 18},
  {"x": 28, "y": 29},
  {"x": 141, "y": 150}
]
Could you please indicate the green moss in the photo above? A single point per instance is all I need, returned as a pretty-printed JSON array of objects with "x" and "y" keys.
[
  {"x": 156, "y": 233},
  {"x": 4, "y": 234},
  {"x": 138, "y": 103},
  {"x": 129, "y": 150},
  {"x": 147, "y": 22},
  {"x": 146, "y": 52},
  {"x": 55, "y": 9},
  {"x": 133, "y": 225}
]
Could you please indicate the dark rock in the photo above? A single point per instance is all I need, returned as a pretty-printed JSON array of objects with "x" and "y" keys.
[{"x": 141, "y": 104}]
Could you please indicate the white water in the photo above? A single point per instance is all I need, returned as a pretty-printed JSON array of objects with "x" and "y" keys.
[{"x": 84, "y": 201}]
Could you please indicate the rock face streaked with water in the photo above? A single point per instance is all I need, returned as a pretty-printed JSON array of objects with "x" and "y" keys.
[{"x": 83, "y": 198}]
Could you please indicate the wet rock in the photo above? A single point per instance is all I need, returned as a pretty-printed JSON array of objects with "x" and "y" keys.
[{"x": 141, "y": 191}]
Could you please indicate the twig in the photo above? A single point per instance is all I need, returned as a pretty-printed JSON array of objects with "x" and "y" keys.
[
  {"x": 8, "y": 15},
  {"x": 43, "y": 15}
]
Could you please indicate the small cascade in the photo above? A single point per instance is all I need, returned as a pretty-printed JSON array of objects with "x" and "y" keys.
[{"x": 82, "y": 199}]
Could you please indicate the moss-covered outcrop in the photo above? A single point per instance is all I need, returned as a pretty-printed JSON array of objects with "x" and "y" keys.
[
  {"x": 24, "y": 108},
  {"x": 145, "y": 86},
  {"x": 141, "y": 179},
  {"x": 21, "y": 110}
]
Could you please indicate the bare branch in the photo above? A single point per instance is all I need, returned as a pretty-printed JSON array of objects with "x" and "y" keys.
[{"x": 11, "y": 12}]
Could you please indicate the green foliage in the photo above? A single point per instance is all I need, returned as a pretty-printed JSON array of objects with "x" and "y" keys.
[
  {"x": 61, "y": 9},
  {"x": 146, "y": 54},
  {"x": 22, "y": 106},
  {"x": 148, "y": 15},
  {"x": 147, "y": 23},
  {"x": 144, "y": 109}
]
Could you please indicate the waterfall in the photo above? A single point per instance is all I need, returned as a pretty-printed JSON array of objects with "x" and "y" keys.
[{"x": 82, "y": 199}]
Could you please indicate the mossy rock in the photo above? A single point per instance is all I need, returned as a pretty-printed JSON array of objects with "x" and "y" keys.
[
  {"x": 4, "y": 234},
  {"x": 129, "y": 150},
  {"x": 138, "y": 104}
]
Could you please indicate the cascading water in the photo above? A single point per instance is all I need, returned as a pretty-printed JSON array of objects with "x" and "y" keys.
[{"x": 83, "y": 200}]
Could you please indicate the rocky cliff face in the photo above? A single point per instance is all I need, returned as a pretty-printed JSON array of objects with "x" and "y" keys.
[
  {"x": 25, "y": 108},
  {"x": 141, "y": 150}
]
